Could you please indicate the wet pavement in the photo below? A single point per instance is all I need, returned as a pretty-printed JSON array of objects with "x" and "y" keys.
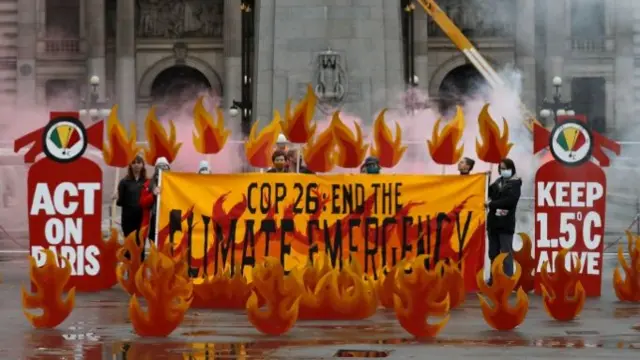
[{"x": 98, "y": 328}]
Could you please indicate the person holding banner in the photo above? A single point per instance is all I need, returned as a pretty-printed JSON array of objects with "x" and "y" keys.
[
  {"x": 128, "y": 196},
  {"x": 279, "y": 160},
  {"x": 466, "y": 165},
  {"x": 371, "y": 165},
  {"x": 149, "y": 195},
  {"x": 504, "y": 195},
  {"x": 294, "y": 163}
]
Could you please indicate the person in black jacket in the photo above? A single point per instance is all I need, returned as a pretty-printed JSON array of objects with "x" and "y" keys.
[
  {"x": 504, "y": 194},
  {"x": 128, "y": 196}
]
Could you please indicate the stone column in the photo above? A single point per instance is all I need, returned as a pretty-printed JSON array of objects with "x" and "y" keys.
[
  {"x": 557, "y": 38},
  {"x": 125, "y": 61},
  {"x": 420, "y": 43},
  {"x": 624, "y": 64},
  {"x": 95, "y": 25},
  {"x": 525, "y": 49},
  {"x": 26, "y": 61},
  {"x": 232, "y": 86}
]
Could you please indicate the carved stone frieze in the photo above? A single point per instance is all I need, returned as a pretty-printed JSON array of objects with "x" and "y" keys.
[
  {"x": 478, "y": 18},
  {"x": 179, "y": 18}
]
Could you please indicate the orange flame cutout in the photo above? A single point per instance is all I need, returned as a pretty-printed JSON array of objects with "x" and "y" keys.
[
  {"x": 167, "y": 292},
  {"x": 527, "y": 262},
  {"x": 129, "y": 258},
  {"x": 319, "y": 154},
  {"x": 109, "y": 258},
  {"x": 495, "y": 146},
  {"x": 160, "y": 144},
  {"x": 50, "y": 281},
  {"x": 562, "y": 292},
  {"x": 502, "y": 316},
  {"x": 629, "y": 289},
  {"x": 209, "y": 137},
  {"x": 221, "y": 291},
  {"x": 452, "y": 285},
  {"x": 338, "y": 294},
  {"x": 442, "y": 145},
  {"x": 389, "y": 151},
  {"x": 421, "y": 289},
  {"x": 297, "y": 127},
  {"x": 121, "y": 149},
  {"x": 386, "y": 286},
  {"x": 281, "y": 294},
  {"x": 258, "y": 149},
  {"x": 351, "y": 149}
]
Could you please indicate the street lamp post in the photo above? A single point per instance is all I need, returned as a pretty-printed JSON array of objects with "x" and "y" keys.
[
  {"x": 557, "y": 107},
  {"x": 92, "y": 105},
  {"x": 244, "y": 107}
]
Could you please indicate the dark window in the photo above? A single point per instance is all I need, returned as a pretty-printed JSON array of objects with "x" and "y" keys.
[
  {"x": 587, "y": 18},
  {"x": 588, "y": 97},
  {"x": 63, "y": 19}
]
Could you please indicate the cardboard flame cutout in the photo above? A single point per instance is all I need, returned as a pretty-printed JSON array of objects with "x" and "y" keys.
[
  {"x": 258, "y": 148},
  {"x": 388, "y": 150},
  {"x": 319, "y": 154},
  {"x": 122, "y": 148},
  {"x": 452, "y": 284},
  {"x": 160, "y": 143},
  {"x": 221, "y": 291},
  {"x": 629, "y": 288},
  {"x": 502, "y": 316},
  {"x": 386, "y": 286},
  {"x": 210, "y": 136},
  {"x": 338, "y": 294},
  {"x": 525, "y": 258},
  {"x": 50, "y": 281},
  {"x": 167, "y": 292},
  {"x": 562, "y": 292},
  {"x": 351, "y": 149},
  {"x": 418, "y": 298},
  {"x": 130, "y": 260},
  {"x": 495, "y": 146},
  {"x": 443, "y": 145},
  {"x": 297, "y": 127},
  {"x": 282, "y": 298}
]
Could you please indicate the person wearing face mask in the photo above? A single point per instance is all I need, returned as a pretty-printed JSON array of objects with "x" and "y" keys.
[
  {"x": 149, "y": 197},
  {"x": 504, "y": 194},
  {"x": 371, "y": 165},
  {"x": 204, "y": 168},
  {"x": 466, "y": 165},
  {"x": 279, "y": 160}
]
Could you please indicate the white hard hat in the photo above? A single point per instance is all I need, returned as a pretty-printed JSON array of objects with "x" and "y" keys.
[
  {"x": 203, "y": 167},
  {"x": 162, "y": 161},
  {"x": 282, "y": 139}
]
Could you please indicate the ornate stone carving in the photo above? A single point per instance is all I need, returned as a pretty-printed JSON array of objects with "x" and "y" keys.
[
  {"x": 330, "y": 83},
  {"x": 179, "y": 18},
  {"x": 478, "y": 18},
  {"x": 180, "y": 51}
]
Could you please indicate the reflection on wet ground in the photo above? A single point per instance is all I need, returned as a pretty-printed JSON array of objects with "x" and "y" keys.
[{"x": 99, "y": 329}]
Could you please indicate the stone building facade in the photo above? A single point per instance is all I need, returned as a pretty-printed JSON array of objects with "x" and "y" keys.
[{"x": 143, "y": 49}]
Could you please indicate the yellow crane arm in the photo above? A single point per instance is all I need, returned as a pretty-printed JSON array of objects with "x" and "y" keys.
[{"x": 470, "y": 52}]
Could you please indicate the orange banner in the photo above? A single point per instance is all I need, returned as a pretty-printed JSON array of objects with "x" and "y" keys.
[{"x": 237, "y": 219}]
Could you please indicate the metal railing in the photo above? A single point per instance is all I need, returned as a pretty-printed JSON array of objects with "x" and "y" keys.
[{"x": 592, "y": 45}]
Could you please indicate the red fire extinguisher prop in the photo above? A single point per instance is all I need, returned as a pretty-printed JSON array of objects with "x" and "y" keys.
[
  {"x": 570, "y": 199},
  {"x": 65, "y": 198}
]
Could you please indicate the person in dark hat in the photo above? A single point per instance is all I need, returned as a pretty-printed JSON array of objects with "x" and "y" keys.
[
  {"x": 128, "y": 196},
  {"x": 371, "y": 166}
]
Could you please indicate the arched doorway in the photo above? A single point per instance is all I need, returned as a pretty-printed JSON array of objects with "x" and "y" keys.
[
  {"x": 178, "y": 84},
  {"x": 458, "y": 85}
]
